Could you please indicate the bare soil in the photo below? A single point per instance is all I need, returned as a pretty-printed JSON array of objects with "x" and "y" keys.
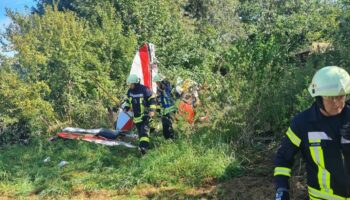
[{"x": 257, "y": 181}]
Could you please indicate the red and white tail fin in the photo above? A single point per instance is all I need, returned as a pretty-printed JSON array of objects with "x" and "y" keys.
[
  {"x": 144, "y": 65},
  {"x": 124, "y": 121}
]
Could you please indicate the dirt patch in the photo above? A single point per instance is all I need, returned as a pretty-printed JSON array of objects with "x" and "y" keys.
[
  {"x": 257, "y": 181},
  {"x": 175, "y": 192},
  {"x": 258, "y": 188},
  {"x": 247, "y": 188}
]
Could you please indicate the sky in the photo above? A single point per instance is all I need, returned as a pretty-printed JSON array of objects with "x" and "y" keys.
[{"x": 16, "y": 5}]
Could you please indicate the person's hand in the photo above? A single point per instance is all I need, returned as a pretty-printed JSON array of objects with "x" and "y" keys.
[
  {"x": 282, "y": 194},
  {"x": 345, "y": 131},
  {"x": 151, "y": 114}
]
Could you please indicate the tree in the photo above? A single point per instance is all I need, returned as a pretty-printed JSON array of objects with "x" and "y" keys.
[
  {"x": 341, "y": 40},
  {"x": 72, "y": 58},
  {"x": 301, "y": 21},
  {"x": 23, "y": 109},
  {"x": 220, "y": 16}
]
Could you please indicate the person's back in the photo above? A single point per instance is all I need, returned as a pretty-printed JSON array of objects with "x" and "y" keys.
[
  {"x": 165, "y": 97},
  {"x": 167, "y": 106},
  {"x": 139, "y": 96}
]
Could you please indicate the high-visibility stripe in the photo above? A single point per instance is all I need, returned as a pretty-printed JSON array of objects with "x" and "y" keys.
[
  {"x": 282, "y": 171},
  {"x": 314, "y": 198},
  {"x": 323, "y": 176},
  {"x": 151, "y": 97},
  {"x": 167, "y": 101},
  {"x": 130, "y": 102},
  {"x": 136, "y": 95},
  {"x": 142, "y": 107},
  {"x": 168, "y": 110},
  {"x": 153, "y": 107},
  {"x": 344, "y": 141},
  {"x": 323, "y": 195},
  {"x": 144, "y": 139},
  {"x": 138, "y": 119},
  {"x": 293, "y": 137},
  {"x": 318, "y": 136}
]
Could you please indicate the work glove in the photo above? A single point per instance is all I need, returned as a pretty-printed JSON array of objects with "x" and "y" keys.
[
  {"x": 282, "y": 194},
  {"x": 345, "y": 131}
]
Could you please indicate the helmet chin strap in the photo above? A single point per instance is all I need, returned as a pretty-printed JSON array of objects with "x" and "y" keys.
[
  {"x": 324, "y": 112},
  {"x": 319, "y": 103}
]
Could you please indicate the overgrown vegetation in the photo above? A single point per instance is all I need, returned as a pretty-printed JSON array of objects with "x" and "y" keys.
[{"x": 245, "y": 54}]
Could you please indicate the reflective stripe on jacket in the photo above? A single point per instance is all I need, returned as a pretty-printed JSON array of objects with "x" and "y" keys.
[
  {"x": 141, "y": 100},
  {"x": 318, "y": 139},
  {"x": 165, "y": 98}
]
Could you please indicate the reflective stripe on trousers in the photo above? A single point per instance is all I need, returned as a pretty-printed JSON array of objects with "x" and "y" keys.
[{"x": 317, "y": 194}]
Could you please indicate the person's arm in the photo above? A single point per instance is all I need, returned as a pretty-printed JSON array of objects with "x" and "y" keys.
[
  {"x": 151, "y": 102},
  {"x": 345, "y": 142},
  {"x": 283, "y": 163},
  {"x": 126, "y": 105}
]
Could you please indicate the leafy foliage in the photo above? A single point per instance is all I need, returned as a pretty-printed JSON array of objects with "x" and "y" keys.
[
  {"x": 61, "y": 51},
  {"x": 24, "y": 112},
  {"x": 72, "y": 56}
]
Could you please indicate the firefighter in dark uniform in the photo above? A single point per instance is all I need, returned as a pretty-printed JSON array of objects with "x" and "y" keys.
[
  {"x": 322, "y": 135},
  {"x": 143, "y": 104},
  {"x": 167, "y": 106}
]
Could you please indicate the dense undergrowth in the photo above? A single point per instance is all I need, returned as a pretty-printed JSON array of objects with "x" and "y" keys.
[{"x": 253, "y": 61}]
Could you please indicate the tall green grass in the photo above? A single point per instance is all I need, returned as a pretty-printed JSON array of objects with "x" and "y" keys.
[{"x": 186, "y": 162}]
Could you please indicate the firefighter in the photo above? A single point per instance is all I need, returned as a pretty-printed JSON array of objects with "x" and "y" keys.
[
  {"x": 322, "y": 134},
  {"x": 143, "y": 104},
  {"x": 167, "y": 107}
]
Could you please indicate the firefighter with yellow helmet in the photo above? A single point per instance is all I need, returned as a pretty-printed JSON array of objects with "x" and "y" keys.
[{"x": 321, "y": 134}]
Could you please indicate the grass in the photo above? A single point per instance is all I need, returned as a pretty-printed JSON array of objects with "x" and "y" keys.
[{"x": 169, "y": 168}]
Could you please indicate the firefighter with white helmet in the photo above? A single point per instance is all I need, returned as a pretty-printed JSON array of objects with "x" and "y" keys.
[
  {"x": 322, "y": 134},
  {"x": 142, "y": 102},
  {"x": 165, "y": 100}
]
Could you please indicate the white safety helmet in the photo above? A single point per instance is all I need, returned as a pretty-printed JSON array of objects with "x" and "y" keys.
[
  {"x": 330, "y": 81},
  {"x": 132, "y": 78}
]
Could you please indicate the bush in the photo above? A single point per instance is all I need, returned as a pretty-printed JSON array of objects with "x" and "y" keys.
[{"x": 24, "y": 112}]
